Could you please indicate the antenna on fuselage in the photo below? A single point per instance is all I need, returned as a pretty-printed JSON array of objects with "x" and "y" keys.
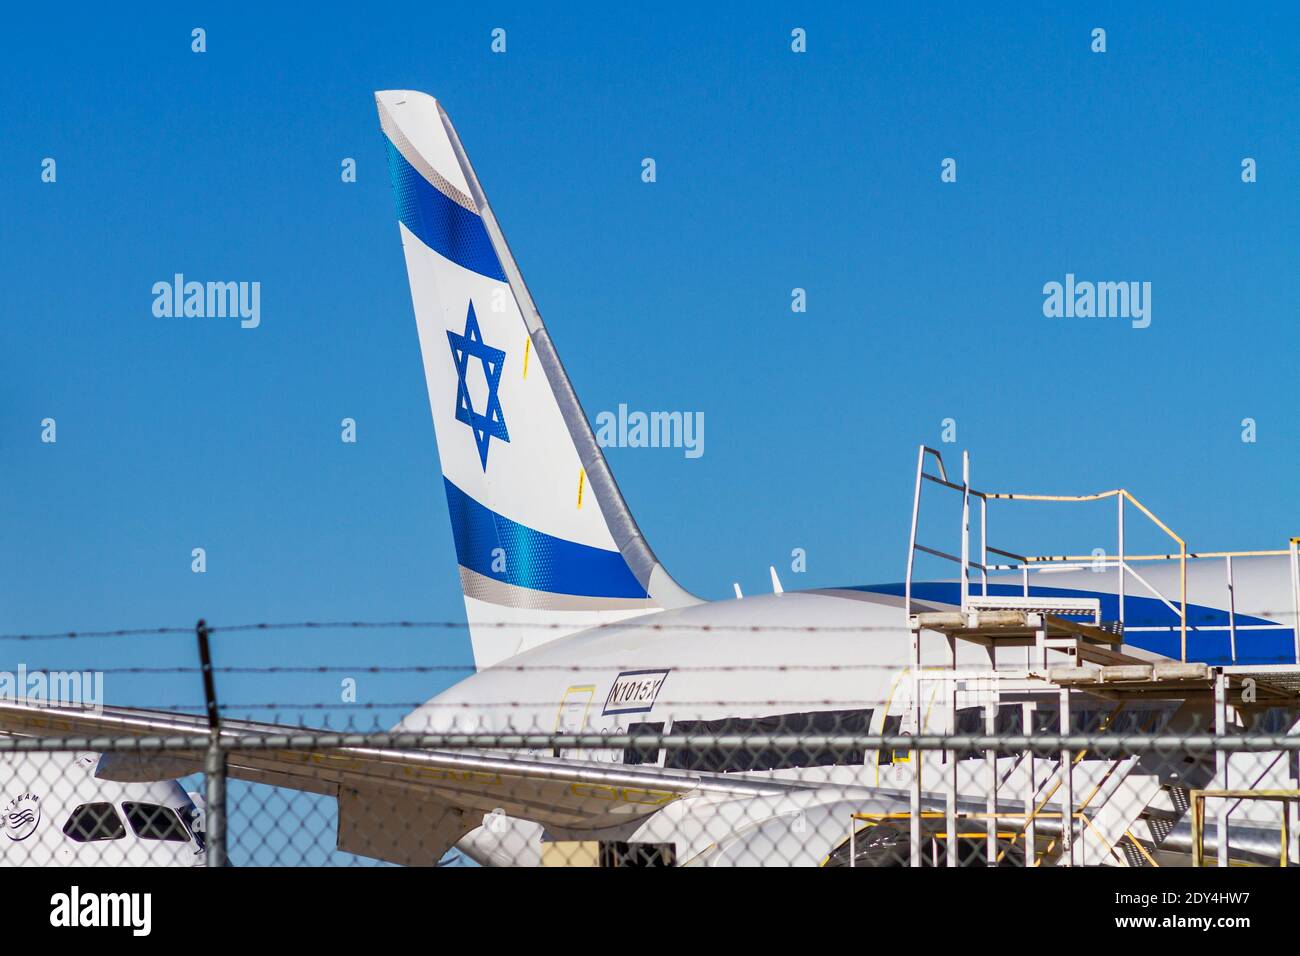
[{"x": 776, "y": 582}]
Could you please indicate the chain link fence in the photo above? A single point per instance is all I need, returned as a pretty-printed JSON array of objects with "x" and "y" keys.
[
  {"x": 821, "y": 771},
  {"x": 785, "y": 797}
]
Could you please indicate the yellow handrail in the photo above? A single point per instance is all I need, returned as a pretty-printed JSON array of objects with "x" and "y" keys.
[
  {"x": 1120, "y": 493},
  {"x": 1198, "y": 797},
  {"x": 1127, "y": 496}
]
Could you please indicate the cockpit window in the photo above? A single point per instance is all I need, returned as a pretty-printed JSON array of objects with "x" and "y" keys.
[
  {"x": 92, "y": 822},
  {"x": 153, "y": 822},
  {"x": 193, "y": 818}
]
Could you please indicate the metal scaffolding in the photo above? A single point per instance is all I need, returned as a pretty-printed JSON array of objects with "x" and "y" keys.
[{"x": 1069, "y": 653}]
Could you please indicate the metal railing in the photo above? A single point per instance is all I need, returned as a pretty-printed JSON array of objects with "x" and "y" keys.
[
  {"x": 1198, "y": 797},
  {"x": 1121, "y": 561}
]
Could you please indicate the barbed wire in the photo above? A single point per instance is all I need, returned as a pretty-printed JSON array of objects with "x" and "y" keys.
[
  {"x": 117, "y": 632},
  {"x": 651, "y": 625},
  {"x": 432, "y": 625},
  {"x": 1214, "y": 621},
  {"x": 499, "y": 705},
  {"x": 274, "y": 669}
]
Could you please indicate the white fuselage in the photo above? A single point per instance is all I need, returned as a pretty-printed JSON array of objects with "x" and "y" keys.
[
  {"x": 841, "y": 650},
  {"x": 58, "y": 813}
]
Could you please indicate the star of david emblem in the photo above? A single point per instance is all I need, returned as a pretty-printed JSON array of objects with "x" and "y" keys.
[{"x": 491, "y": 423}]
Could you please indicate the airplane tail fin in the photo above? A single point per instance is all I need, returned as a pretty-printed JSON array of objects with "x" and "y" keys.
[{"x": 545, "y": 542}]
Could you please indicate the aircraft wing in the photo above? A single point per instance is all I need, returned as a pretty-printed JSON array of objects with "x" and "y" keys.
[{"x": 443, "y": 792}]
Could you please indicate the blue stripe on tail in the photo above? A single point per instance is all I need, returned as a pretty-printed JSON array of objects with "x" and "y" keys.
[
  {"x": 533, "y": 559},
  {"x": 447, "y": 228}
]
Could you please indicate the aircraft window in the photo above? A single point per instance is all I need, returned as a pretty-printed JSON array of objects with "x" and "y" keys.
[
  {"x": 1046, "y": 720},
  {"x": 1009, "y": 722},
  {"x": 152, "y": 822},
  {"x": 970, "y": 720},
  {"x": 1275, "y": 720},
  {"x": 893, "y": 724},
  {"x": 1086, "y": 721},
  {"x": 643, "y": 755},
  {"x": 1095, "y": 722},
  {"x": 193, "y": 818},
  {"x": 731, "y": 760},
  {"x": 1127, "y": 722},
  {"x": 92, "y": 822},
  {"x": 1090, "y": 722}
]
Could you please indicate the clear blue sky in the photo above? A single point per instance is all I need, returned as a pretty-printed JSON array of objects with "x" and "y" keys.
[{"x": 775, "y": 171}]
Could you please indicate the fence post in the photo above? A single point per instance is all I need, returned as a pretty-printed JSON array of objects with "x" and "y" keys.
[
  {"x": 214, "y": 765},
  {"x": 1221, "y": 761},
  {"x": 1067, "y": 786}
]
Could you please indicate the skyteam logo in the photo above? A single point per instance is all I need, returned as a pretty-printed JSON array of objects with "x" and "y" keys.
[
  {"x": 491, "y": 423},
  {"x": 22, "y": 816}
]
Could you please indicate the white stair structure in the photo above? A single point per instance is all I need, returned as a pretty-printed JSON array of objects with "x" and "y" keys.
[{"x": 1056, "y": 656}]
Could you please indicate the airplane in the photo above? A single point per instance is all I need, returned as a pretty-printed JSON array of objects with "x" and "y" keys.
[
  {"x": 57, "y": 812},
  {"x": 577, "y": 627}
]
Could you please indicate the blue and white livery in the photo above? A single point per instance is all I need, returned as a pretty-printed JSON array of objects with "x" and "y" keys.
[{"x": 546, "y": 544}]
